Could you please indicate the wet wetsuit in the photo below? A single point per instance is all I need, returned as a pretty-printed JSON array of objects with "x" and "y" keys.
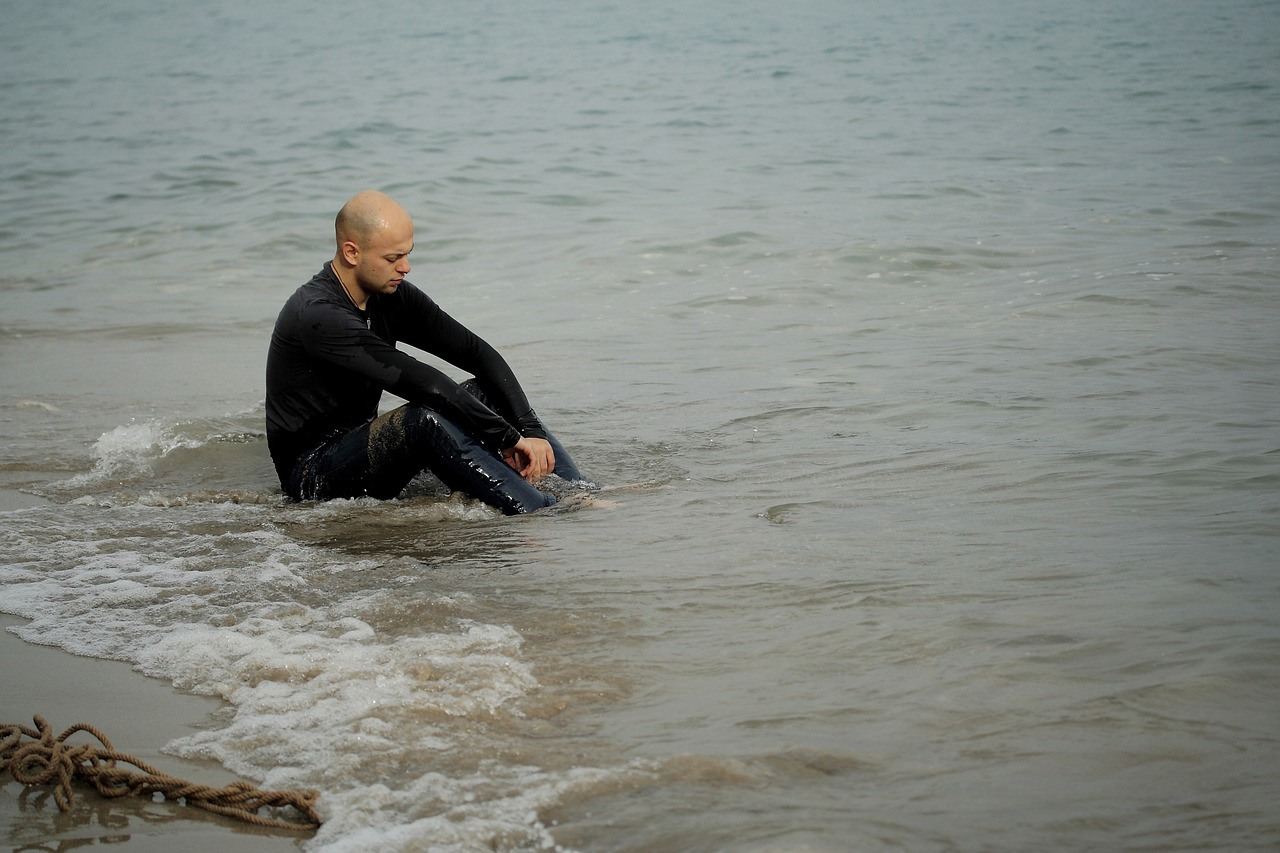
[{"x": 327, "y": 367}]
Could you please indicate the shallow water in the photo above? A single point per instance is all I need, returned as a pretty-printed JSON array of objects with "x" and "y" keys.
[{"x": 929, "y": 355}]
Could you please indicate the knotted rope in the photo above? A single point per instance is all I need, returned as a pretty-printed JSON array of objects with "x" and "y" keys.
[{"x": 46, "y": 760}]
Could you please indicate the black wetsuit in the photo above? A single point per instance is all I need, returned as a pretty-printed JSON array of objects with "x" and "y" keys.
[{"x": 329, "y": 363}]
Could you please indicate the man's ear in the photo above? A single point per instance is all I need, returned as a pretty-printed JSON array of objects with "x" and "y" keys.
[{"x": 350, "y": 252}]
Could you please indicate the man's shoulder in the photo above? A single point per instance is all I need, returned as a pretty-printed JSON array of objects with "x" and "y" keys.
[
  {"x": 311, "y": 302},
  {"x": 408, "y": 297},
  {"x": 410, "y": 292},
  {"x": 317, "y": 291}
]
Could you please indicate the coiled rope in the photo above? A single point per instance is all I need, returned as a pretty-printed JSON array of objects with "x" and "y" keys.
[{"x": 46, "y": 760}]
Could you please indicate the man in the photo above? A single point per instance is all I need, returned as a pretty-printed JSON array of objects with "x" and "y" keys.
[{"x": 333, "y": 353}]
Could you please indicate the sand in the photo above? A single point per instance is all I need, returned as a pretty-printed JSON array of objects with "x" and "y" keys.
[{"x": 140, "y": 715}]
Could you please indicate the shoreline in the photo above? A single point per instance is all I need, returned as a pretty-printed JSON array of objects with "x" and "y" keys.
[{"x": 140, "y": 714}]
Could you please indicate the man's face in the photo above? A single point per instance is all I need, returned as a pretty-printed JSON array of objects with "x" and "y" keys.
[{"x": 384, "y": 262}]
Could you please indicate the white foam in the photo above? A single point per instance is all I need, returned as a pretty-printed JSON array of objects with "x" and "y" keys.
[
  {"x": 458, "y": 814},
  {"x": 132, "y": 447},
  {"x": 36, "y": 404},
  {"x": 131, "y": 451},
  {"x": 217, "y": 598}
]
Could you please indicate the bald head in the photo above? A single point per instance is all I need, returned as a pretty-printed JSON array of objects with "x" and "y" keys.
[
  {"x": 366, "y": 215},
  {"x": 375, "y": 237}
]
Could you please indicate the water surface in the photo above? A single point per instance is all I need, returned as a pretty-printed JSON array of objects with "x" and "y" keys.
[{"x": 929, "y": 353}]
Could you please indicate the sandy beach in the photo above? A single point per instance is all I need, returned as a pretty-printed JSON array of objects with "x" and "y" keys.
[{"x": 140, "y": 715}]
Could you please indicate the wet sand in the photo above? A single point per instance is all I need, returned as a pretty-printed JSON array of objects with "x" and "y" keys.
[{"x": 140, "y": 715}]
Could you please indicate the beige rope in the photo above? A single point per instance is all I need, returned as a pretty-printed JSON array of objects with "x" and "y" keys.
[{"x": 46, "y": 760}]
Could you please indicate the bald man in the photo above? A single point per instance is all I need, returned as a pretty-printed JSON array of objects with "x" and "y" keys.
[{"x": 333, "y": 352}]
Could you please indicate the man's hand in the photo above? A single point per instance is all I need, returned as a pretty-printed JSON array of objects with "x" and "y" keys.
[{"x": 531, "y": 457}]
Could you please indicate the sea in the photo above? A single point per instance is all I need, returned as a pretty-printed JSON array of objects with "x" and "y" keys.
[{"x": 927, "y": 353}]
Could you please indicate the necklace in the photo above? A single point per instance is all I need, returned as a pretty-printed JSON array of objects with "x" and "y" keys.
[
  {"x": 344, "y": 287},
  {"x": 368, "y": 321}
]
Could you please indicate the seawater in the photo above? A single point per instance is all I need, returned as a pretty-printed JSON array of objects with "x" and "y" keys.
[{"x": 929, "y": 353}]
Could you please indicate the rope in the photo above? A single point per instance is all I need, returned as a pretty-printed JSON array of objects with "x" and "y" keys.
[{"x": 46, "y": 760}]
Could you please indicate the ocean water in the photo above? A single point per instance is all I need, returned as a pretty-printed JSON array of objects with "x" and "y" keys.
[{"x": 930, "y": 354}]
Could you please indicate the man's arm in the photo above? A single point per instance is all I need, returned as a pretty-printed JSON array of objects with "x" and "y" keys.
[
  {"x": 336, "y": 335},
  {"x": 424, "y": 325}
]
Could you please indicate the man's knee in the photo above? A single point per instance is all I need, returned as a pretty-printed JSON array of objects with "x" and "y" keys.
[{"x": 414, "y": 437}]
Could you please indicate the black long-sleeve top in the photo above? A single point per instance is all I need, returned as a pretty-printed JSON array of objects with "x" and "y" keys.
[{"x": 329, "y": 363}]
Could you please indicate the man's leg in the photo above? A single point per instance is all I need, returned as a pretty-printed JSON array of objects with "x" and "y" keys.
[
  {"x": 337, "y": 469},
  {"x": 378, "y": 459},
  {"x": 412, "y": 438},
  {"x": 565, "y": 468}
]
